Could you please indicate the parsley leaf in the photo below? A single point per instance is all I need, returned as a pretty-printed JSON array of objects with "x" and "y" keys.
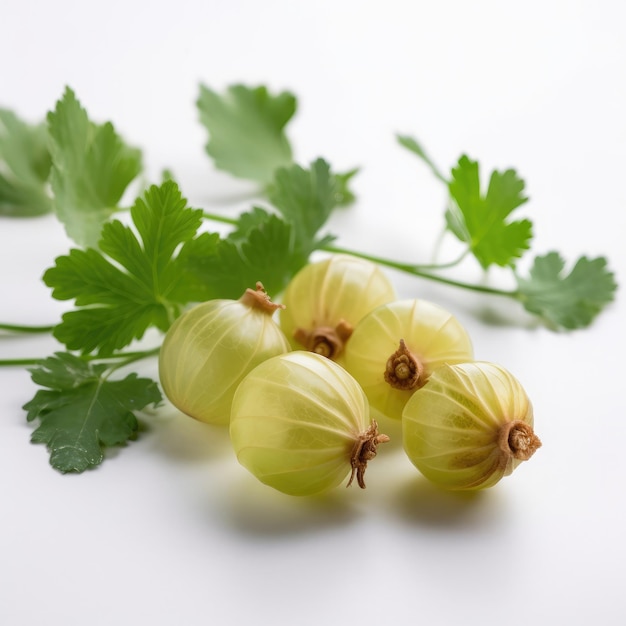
[
  {"x": 480, "y": 220},
  {"x": 248, "y": 221},
  {"x": 306, "y": 198},
  {"x": 81, "y": 411},
  {"x": 246, "y": 130},
  {"x": 140, "y": 284},
  {"x": 92, "y": 168},
  {"x": 24, "y": 167},
  {"x": 259, "y": 249},
  {"x": 567, "y": 301},
  {"x": 267, "y": 247},
  {"x": 193, "y": 271},
  {"x": 266, "y": 254},
  {"x": 344, "y": 195}
]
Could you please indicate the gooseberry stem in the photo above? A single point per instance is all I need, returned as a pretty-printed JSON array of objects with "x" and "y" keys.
[
  {"x": 258, "y": 299},
  {"x": 404, "y": 370},
  {"x": 518, "y": 440},
  {"x": 365, "y": 450},
  {"x": 324, "y": 340}
]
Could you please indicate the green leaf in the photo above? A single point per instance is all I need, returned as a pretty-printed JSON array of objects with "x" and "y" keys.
[
  {"x": 24, "y": 167},
  {"x": 266, "y": 255},
  {"x": 416, "y": 148},
  {"x": 344, "y": 195},
  {"x": 248, "y": 221},
  {"x": 194, "y": 264},
  {"x": 133, "y": 282},
  {"x": 481, "y": 220},
  {"x": 306, "y": 198},
  {"x": 91, "y": 169},
  {"x": 567, "y": 300},
  {"x": 246, "y": 130},
  {"x": 81, "y": 412},
  {"x": 267, "y": 248},
  {"x": 260, "y": 249}
]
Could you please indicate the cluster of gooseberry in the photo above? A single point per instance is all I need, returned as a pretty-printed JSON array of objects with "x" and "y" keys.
[{"x": 297, "y": 393}]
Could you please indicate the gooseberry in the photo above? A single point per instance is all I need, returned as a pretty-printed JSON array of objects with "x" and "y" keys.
[
  {"x": 470, "y": 425},
  {"x": 326, "y": 299},
  {"x": 210, "y": 348},
  {"x": 396, "y": 347},
  {"x": 300, "y": 424}
]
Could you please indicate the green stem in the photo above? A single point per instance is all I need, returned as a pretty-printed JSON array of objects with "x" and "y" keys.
[
  {"x": 423, "y": 272},
  {"x": 131, "y": 357},
  {"x": 438, "y": 243},
  {"x": 125, "y": 358},
  {"x": 15, "y": 328},
  {"x": 20, "y": 362},
  {"x": 214, "y": 217},
  {"x": 443, "y": 266}
]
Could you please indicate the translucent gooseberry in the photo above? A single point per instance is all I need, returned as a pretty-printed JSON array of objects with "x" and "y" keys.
[
  {"x": 210, "y": 348},
  {"x": 300, "y": 424},
  {"x": 469, "y": 426},
  {"x": 326, "y": 299},
  {"x": 396, "y": 347}
]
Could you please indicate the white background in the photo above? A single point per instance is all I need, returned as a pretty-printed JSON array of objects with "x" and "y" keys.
[{"x": 170, "y": 529}]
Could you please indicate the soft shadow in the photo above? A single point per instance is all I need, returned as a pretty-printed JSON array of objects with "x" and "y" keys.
[
  {"x": 257, "y": 510},
  {"x": 392, "y": 428},
  {"x": 508, "y": 315},
  {"x": 180, "y": 438},
  {"x": 421, "y": 503}
]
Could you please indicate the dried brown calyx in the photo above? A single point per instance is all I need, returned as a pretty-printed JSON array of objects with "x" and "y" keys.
[
  {"x": 404, "y": 370},
  {"x": 258, "y": 299},
  {"x": 325, "y": 340},
  {"x": 518, "y": 440},
  {"x": 365, "y": 450}
]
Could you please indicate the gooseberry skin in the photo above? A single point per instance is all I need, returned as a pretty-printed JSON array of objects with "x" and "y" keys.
[
  {"x": 430, "y": 333},
  {"x": 469, "y": 426},
  {"x": 209, "y": 349},
  {"x": 295, "y": 421},
  {"x": 331, "y": 296}
]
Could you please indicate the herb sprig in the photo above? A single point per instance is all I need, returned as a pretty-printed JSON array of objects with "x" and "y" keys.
[{"x": 129, "y": 275}]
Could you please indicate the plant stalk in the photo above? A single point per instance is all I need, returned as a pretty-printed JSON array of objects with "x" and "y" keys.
[
  {"x": 423, "y": 271},
  {"x": 214, "y": 217},
  {"x": 125, "y": 358},
  {"x": 18, "y": 328}
]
